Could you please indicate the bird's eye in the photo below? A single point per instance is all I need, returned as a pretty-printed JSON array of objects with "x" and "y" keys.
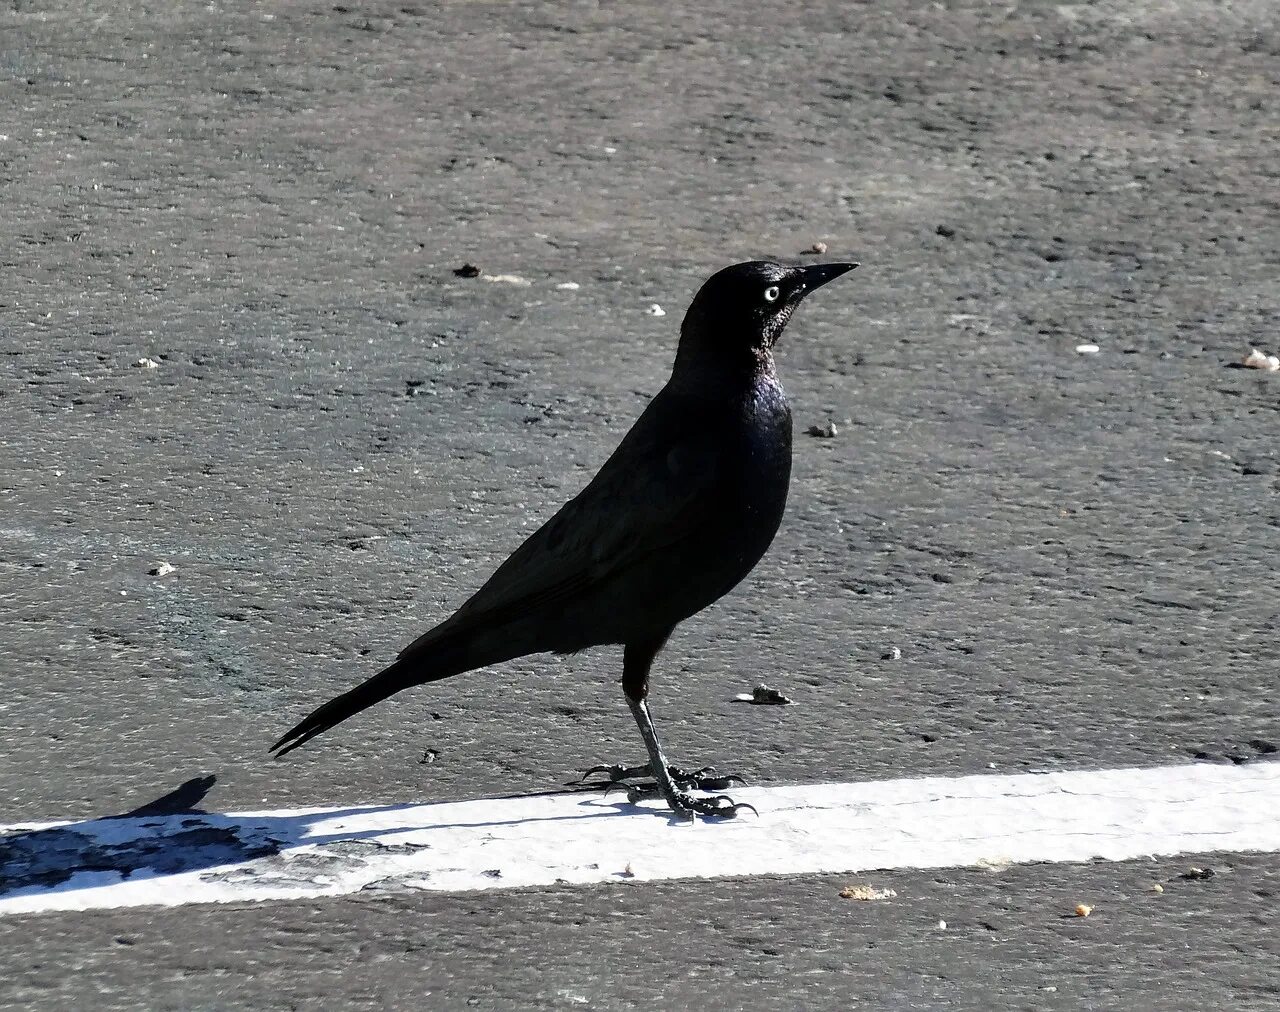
[{"x": 771, "y": 293}]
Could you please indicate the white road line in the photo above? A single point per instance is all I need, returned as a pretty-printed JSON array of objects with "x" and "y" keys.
[{"x": 580, "y": 838}]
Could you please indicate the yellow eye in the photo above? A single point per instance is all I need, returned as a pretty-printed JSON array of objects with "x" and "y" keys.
[{"x": 771, "y": 293}]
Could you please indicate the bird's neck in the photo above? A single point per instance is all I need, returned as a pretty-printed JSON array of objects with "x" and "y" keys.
[
  {"x": 712, "y": 371},
  {"x": 710, "y": 355}
]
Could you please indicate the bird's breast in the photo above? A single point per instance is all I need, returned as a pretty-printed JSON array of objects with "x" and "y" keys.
[
  {"x": 753, "y": 468},
  {"x": 765, "y": 465},
  {"x": 731, "y": 455}
]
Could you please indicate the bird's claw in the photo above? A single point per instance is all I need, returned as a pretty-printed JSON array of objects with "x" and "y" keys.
[
  {"x": 684, "y": 804},
  {"x": 640, "y": 784},
  {"x": 719, "y": 806}
]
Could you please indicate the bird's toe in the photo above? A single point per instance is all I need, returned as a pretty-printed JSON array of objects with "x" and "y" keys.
[
  {"x": 708, "y": 778},
  {"x": 718, "y": 806},
  {"x": 613, "y": 774}
]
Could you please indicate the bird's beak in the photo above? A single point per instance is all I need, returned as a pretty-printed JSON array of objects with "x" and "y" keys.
[{"x": 817, "y": 275}]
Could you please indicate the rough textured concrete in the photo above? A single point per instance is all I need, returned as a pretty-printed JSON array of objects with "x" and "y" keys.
[
  {"x": 1011, "y": 941},
  {"x": 1076, "y": 554}
]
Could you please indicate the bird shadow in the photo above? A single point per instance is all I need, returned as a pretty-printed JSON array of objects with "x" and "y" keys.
[{"x": 172, "y": 834}]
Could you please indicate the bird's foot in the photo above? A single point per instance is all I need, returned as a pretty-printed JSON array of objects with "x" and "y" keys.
[
  {"x": 640, "y": 784},
  {"x": 685, "y": 805},
  {"x": 708, "y": 778}
]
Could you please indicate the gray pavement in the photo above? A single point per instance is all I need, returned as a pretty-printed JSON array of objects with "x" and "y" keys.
[{"x": 1076, "y": 554}]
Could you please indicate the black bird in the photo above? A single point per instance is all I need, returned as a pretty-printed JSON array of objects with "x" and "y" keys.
[{"x": 679, "y": 514}]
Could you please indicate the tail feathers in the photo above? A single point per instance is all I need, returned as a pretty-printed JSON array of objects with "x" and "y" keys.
[{"x": 425, "y": 665}]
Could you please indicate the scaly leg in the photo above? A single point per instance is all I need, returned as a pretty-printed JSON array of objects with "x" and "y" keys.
[{"x": 672, "y": 783}]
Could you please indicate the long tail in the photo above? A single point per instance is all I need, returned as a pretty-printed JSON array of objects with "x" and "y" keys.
[{"x": 424, "y": 661}]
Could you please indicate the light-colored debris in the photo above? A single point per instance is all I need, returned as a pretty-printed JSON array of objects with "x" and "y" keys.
[
  {"x": 508, "y": 279},
  {"x": 163, "y": 569},
  {"x": 147, "y": 363},
  {"x": 762, "y": 695},
  {"x": 1261, "y": 360},
  {"x": 568, "y": 286},
  {"x": 1087, "y": 349},
  {"x": 866, "y": 892},
  {"x": 1083, "y": 910},
  {"x": 656, "y": 310}
]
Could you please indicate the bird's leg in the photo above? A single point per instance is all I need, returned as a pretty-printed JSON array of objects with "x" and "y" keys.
[
  {"x": 685, "y": 805},
  {"x": 672, "y": 783}
]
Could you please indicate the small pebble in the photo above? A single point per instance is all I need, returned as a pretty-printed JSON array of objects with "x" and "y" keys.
[
  {"x": 1261, "y": 360},
  {"x": 656, "y": 310},
  {"x": 866, "y": 892},
  {"x": 163, "y": 569},
  {"x": 1198, "y": 874},
  {"x": 942, "y": 925},
  {"x": 765, "y": 696},
  {"x": 509, "y": 279},
  {"x": 945, "y": 231},
  {"x": 1156, "y": 887},
  {"x": 467, "y": 270},
  {"x": 147, "y": 363},
  {"x": 1083, "y": 910},
  {"x": 826, "y": 430},
  {"x": 1087, "y": 349},
  {"x": 762, "y": 695},
  {"x": 818, "y": 247},
  {"x": 892, "y": 654},
  {"x": 568, "y": 286}
]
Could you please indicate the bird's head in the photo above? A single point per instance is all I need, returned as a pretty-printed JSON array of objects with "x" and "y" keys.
[{"x": 742, "y": 310}]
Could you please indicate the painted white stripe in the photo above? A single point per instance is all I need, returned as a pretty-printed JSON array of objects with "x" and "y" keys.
[{"x": 531, "y": 841}]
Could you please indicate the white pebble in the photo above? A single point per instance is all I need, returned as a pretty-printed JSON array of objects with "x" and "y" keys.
[
  {"x": 147, "y": 363},
  {"x": 656, "y": 310},
  {"x": 508, "y": 279},
  {"x": 568, "y": 286},
  {"x": 1261, "y": 360},
  {"x": 164, "y": 569},
  {"x": 1087, "y": 349}
]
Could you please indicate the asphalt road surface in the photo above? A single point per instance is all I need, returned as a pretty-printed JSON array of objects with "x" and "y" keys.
[{"x": 333, "y": 440}]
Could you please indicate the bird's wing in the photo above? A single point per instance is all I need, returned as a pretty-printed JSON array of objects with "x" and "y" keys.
[{"x": 645, "y": 499}]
